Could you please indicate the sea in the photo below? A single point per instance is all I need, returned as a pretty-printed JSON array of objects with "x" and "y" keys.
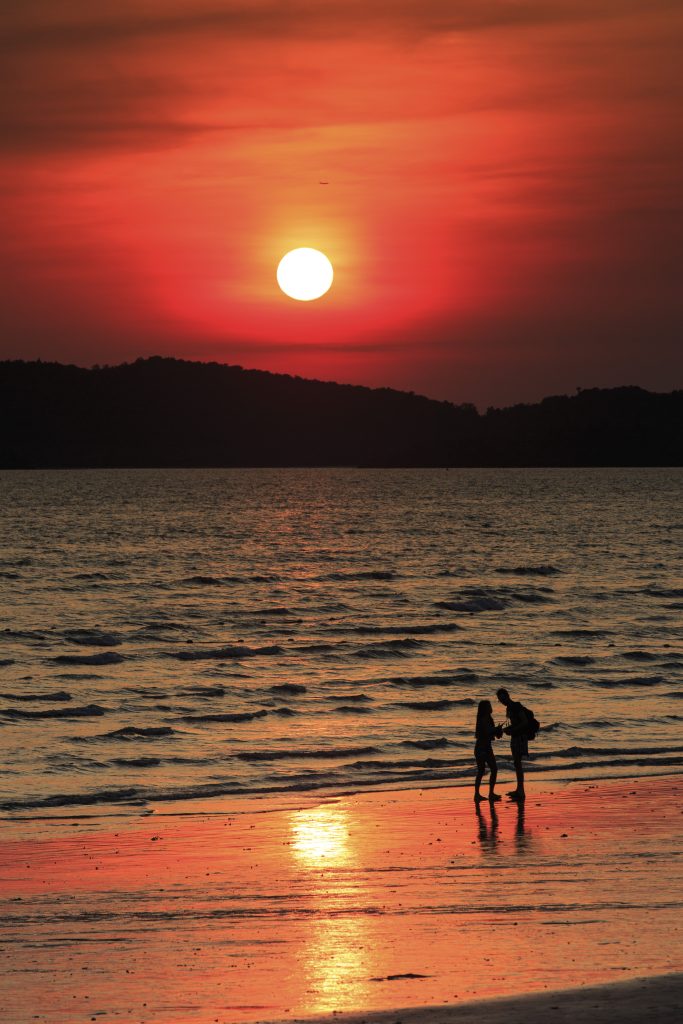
[{"x": 170, "y": 635}]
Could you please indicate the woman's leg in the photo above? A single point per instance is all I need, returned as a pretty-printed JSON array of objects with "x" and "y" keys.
[
  {"x": 481, "y": 768},
  {"x": 493, "y": 765}
]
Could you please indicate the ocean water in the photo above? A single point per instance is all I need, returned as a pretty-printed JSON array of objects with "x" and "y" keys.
[{"x": 171, "y": 634}]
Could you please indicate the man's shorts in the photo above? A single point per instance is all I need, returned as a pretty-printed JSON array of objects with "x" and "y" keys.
[{"x": 519, "y": 747}]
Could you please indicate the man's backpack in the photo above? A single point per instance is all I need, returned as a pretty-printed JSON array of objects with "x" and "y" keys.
[{"x": 533, "y": 724}]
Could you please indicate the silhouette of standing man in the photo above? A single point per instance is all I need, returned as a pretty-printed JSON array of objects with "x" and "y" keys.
[{"x": 518, "y": 731}]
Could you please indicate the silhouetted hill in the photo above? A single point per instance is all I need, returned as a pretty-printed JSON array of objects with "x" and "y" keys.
[{"x": 170, "y": 412}]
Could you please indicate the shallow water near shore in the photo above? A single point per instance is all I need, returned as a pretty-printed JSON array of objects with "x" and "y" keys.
[{"x": 171, "y": 635}]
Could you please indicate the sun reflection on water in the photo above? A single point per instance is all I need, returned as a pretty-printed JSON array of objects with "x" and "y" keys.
[
  {"x": 336, "y": 956},
  {"x": 321, "y": 836},
  {"x": 337, "y": 962}
]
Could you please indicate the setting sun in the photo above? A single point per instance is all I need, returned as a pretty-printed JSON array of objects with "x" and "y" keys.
[{"x": 305, "y": 274}]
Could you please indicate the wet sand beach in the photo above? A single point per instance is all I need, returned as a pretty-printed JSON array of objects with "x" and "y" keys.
[
  {"x": 253, "y": 911},
  {"x": 658, "y": 1000}
]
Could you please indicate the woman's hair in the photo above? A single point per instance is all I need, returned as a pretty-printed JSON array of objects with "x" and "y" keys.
[{"x": 484, "y": 708}]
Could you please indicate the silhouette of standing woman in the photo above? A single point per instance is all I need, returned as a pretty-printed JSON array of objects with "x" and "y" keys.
[{"x": 485, "y": 732}]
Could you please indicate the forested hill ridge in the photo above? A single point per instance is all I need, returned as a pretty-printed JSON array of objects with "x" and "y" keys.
[{"x": 171, "y": 412}]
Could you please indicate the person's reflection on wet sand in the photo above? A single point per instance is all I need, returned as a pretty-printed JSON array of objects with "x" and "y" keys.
[
  {"x": 522, "y": 833},
  {"x": 488, "y": 831}
]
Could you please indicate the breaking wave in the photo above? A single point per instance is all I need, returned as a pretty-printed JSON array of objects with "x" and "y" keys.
[
  {"x": 225, "y": 653},
  {"x": 329, "y": 753},
  {"x": 106, "y": 658},
  {"x": 137, "y": 762},
  {"x": 390, "y": 648},
  {"x": 633, "y": 681},
  {"x": 132, "y": 732},
  {"x": 91, "y": 638},
  {"x": 485, "y": 599},
  {"x": 370, "y": 574},
  {"x": 86, "y": 711},
  {"x": 437, "y": 744},
  {"x": 238, "y": 716},
  {"x": 423, "y": 682},
  {"x": 53, "y": 695},
  {"x": 436, "y": 705},
  {"x": 419, "y": 629},
  {"x": 529, "y": 570}
]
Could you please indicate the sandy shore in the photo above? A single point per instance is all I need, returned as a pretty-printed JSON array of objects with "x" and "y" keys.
[
  {"x": 657, "y": 1000},
  {"x": 355, "y": 904}
]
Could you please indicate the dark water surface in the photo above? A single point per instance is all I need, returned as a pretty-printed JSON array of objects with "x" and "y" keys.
[{"x": 177, "y": 633}]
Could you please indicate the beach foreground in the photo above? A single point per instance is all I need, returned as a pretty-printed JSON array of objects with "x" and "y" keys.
[
  {"x": 658, "y": 1000},
  {"x": 355, "y": 904}
]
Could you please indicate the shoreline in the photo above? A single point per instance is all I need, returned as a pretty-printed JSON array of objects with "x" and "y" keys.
[
  {"x": 271, "y": 800},
  {"x": 338, "y": 904}
]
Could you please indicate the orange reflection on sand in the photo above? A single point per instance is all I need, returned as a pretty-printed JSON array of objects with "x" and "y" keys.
[
  {"x": 337, "y": 964},
  {"x": 321, "y": 836},
  {"x": 337, "y": 949}
]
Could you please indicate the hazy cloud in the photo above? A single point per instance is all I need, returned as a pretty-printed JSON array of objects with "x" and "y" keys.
[
  {"x": 135, "y": 76},
  {"x": 78, "y": 23}
]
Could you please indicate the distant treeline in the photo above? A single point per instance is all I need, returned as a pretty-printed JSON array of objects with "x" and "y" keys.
[{"x": 170, "y": 412}]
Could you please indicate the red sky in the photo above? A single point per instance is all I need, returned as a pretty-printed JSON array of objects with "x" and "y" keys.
[{"x": 503, "y": 209}]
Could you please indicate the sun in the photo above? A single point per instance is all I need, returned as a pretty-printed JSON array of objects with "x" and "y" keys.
[{"x": 305, "y": 274}]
